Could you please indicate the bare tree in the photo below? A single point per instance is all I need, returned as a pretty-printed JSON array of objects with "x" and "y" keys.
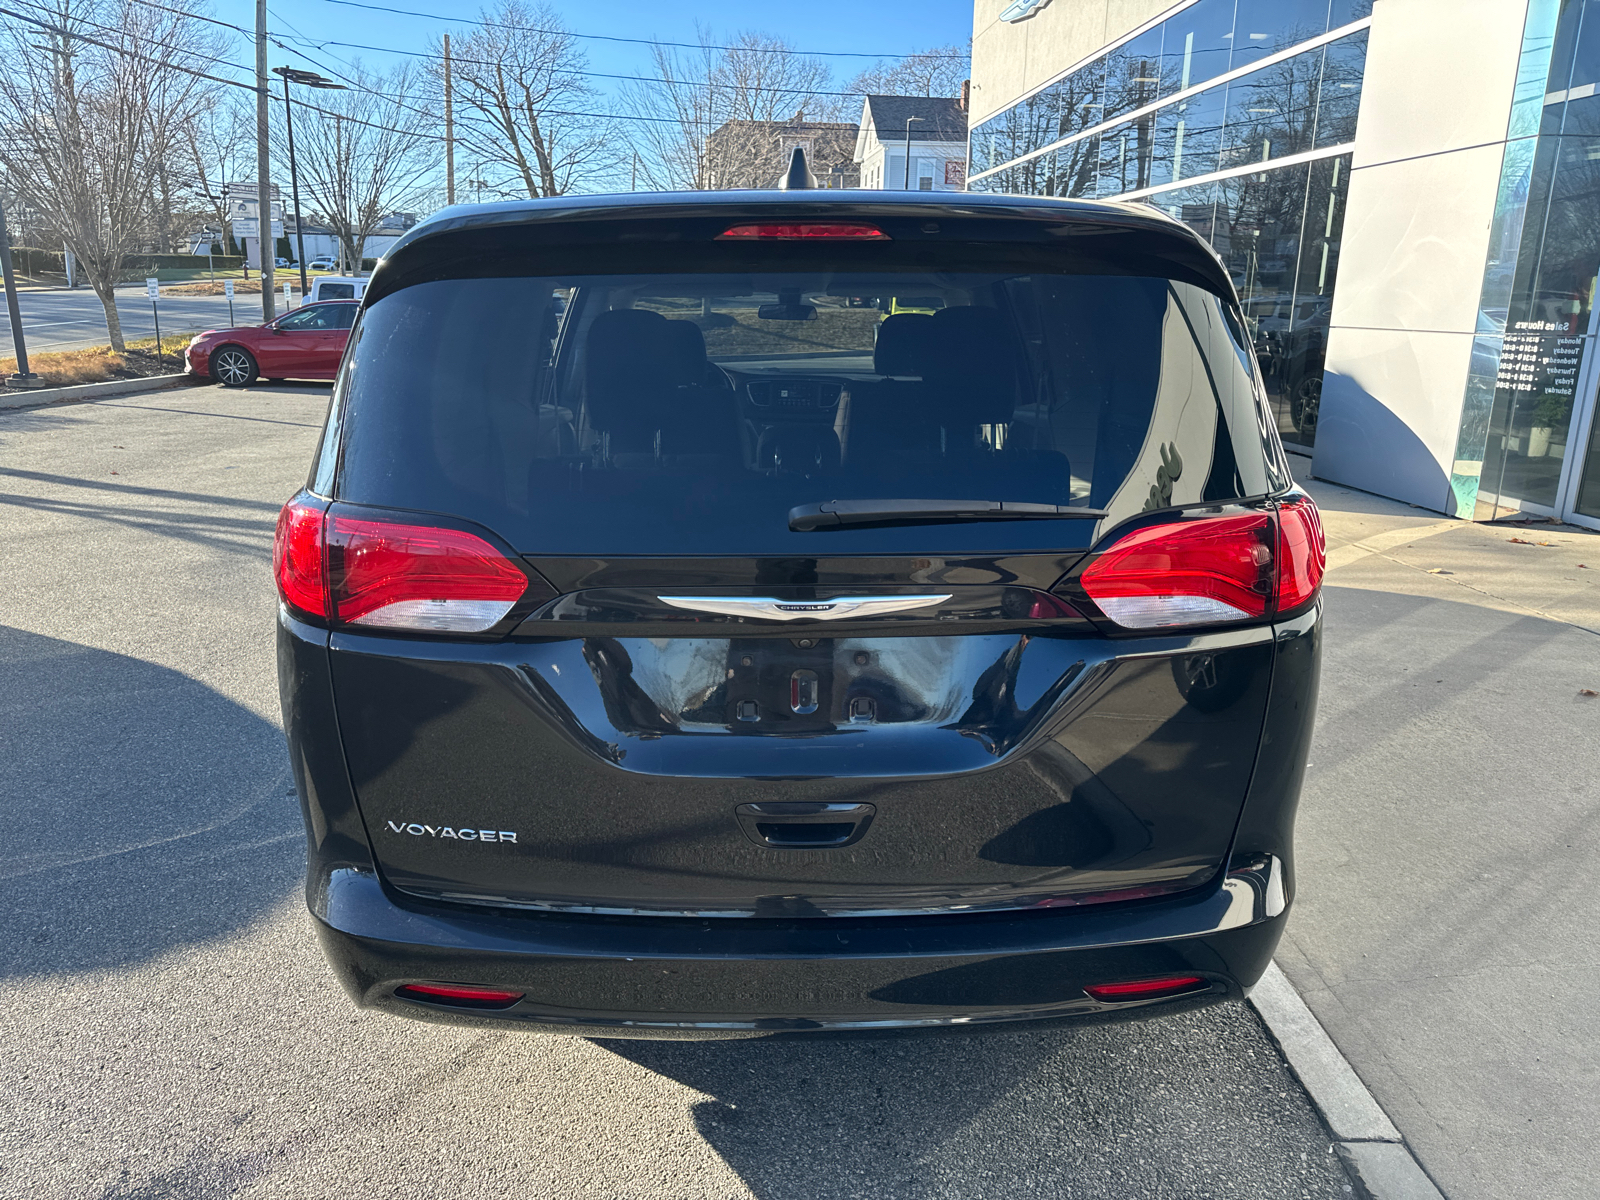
[
  {"x": 937, "y": 71},
  {"x": 755, "y": 79},
  {"x": 76, "y": 123},
  {"x": 518, "y": 87},
  {"x": 212, "y": 154},
  {"x": 365, "y": 153}
]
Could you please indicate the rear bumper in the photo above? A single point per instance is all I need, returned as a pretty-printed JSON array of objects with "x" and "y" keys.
[{"x": 687, "y": 978}]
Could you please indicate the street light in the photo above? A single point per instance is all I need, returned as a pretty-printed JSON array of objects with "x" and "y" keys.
[
  {"x": 907, "y": 185},
  {"x": 307, "y": 79}
]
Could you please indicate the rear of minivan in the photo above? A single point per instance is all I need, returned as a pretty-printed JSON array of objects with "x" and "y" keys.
[{"x": 673, "y": 645}]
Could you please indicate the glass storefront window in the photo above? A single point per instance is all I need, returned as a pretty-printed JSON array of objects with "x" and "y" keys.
[
  {"x": 1197, "y": 44},
  {"x": 1077, "y": 168},
  {"x": 1339, "y": 95},
  {"x": 1264, "y": 27},
  {"x": 1536, "y": 315},
  {"x": 1342, "y": 12},
  {"x": 1133, "y": 75},
  {"x": 1272, "y": 113},
  {"x": 1189, "y": 49},
  {"x": 1195, "y": 133}
]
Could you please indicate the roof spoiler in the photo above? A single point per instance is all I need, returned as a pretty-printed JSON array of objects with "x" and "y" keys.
[{"x": 798, "y": 176}]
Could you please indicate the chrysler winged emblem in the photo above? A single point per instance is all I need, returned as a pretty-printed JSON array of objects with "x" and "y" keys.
[
  {"x": 773, "y": 609},
  {"x": 1018, "y": 10}
]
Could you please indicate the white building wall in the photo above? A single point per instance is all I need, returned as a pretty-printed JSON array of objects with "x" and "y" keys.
[
  {"x": 884, "y": 165},
  {"x": 1416, "y": 231}
]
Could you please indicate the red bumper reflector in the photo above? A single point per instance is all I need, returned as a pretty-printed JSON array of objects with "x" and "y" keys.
[
  {"x": 795, "y": 231},
  {"x": 1146, "y": 989},
  {"x": 460, "y": 994}
]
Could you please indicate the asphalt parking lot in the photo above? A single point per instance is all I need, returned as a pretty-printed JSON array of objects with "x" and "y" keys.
[{"x": 171, "y": 1030}]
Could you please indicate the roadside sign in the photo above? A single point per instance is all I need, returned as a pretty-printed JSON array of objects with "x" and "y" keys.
[
  {"x": 152, "y": 287},
  {"x": 227, "y": 290},
  {"x": 288, "y": 299}
]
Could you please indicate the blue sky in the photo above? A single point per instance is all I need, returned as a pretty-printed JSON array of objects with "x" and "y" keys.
[{"x": 890, "y": 29}]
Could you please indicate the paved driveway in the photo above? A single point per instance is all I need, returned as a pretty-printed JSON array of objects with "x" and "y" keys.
[{"x": 170, "y": 1029}]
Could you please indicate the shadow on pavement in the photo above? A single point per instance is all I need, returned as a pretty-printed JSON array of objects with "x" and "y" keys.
[
  {"x": 1195, "y": 1104},
  {"x": 142, "y": 811}
]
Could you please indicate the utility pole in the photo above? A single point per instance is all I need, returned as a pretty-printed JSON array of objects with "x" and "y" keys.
[
  {"x": 263, "y": 170},
  {"x": 449, "y": 131}
]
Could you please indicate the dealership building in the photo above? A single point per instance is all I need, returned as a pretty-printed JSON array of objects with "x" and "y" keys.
[{"x": 1406, "y": 193}]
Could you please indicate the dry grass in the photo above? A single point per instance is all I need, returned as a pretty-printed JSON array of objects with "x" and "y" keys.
[
  {"x": 65, "y": 367},
  {"x": 96, "y": 364},
  {"x": 207, "y": 287}
]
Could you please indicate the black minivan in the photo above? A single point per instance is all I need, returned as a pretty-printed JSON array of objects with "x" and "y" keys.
[{"x": 732, "y": 614}]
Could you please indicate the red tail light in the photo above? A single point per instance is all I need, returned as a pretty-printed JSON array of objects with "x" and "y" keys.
[
  {"x": 795, "y": 231},
  {"x": 386, "y": 575},
  {"x": 418, "y": 577},
  {"x": 1191, "y": 573},
  {"x": 297, "y": 558},
  {"x": 1302, "y": 553},
  {"x": 1201, "y": 571},
  {"x": 459, "y": 994},
  {"x": 1146, "y": 989}
]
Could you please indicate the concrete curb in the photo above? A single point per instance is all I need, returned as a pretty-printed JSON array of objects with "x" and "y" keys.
[
  {"x": 1380, "y": 1164},
  {"x": 86, "y": 391}
]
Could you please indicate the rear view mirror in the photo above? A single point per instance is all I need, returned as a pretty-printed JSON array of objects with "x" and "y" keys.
[{"x": 787, "y": 312}]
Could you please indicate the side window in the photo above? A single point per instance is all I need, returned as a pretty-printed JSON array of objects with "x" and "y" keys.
[
  {"x": 341, "y": 316},
  {"x": 305, "y": 318}
]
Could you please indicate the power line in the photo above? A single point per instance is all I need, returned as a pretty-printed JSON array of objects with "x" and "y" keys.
[
  {"x": 600, "y": 37},
  {"x": 171, "y": 66},
  {"x": 479, "y": 62}
]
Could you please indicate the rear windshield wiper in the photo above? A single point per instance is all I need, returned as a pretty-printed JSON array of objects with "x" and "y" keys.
[{"x": 837, "y": 514}]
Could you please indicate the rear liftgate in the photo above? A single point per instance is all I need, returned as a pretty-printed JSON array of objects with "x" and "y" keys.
[{"x": 813, "y": 737}]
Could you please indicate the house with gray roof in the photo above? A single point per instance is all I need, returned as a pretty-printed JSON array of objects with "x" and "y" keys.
[{"x": 917, "y": 142}]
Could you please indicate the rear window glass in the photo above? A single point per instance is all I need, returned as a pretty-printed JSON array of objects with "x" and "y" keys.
[{"x": 688, "y": 413}]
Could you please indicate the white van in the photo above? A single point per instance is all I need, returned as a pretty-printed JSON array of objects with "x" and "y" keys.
[{"x": 337, "y": 287}]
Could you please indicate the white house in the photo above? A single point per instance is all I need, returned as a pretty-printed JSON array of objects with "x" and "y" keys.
[{"x": 933, "y": 128}]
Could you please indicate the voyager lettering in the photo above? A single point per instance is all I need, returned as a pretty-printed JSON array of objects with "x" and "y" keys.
[{"x": 460, "y": 835}]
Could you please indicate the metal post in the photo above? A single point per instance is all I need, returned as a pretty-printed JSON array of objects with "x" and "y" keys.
[
  {"x": 449, "y": 131},
  {"x": 22, "y": 377},
  {"x": 263, "y": 167},
  {"x": 294, "y": 191},
  {"x": 907, "y": 184}
]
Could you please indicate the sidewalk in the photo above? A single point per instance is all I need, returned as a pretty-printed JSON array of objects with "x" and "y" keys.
[{"x": 1447, "y": 921}]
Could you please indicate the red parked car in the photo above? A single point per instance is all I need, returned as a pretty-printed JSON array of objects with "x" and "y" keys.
[{"x": 304, "y": 344}]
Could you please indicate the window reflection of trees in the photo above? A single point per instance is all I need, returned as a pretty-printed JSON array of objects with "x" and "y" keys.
[{"x": 1306, "y": 102}]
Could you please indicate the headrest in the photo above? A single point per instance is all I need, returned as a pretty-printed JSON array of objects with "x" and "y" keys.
[
  {"x": 626, "y": 368},
  {"x": 902, "y": 345},
  {"x": 976, "y": 361},
  {"x": 686, "y": 353}
]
